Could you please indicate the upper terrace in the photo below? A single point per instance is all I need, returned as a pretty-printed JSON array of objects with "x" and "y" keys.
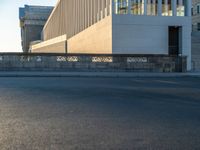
[{"x": 153, "y": 7}]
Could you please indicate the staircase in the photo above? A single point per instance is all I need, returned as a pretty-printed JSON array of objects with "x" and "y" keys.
[{"x": 196, "y": 51}]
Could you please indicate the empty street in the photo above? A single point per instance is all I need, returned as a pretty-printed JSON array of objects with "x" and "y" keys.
[{"x": 74, "y": 113}]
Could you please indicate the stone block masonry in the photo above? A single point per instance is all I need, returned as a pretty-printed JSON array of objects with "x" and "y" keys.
[{"x": 89, "y": 62}]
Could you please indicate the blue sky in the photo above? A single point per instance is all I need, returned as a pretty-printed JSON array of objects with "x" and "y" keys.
[{"x": 10, "y": 40}]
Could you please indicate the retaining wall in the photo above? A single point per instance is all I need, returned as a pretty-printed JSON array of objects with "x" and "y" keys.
[{"x": 90, "y": 62}]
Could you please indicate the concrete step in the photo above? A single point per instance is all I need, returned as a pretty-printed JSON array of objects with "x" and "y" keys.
[
  {"x": 196, "y": 65},
  {"x": 196, "y": 34},
  {"x": 195, "y": 45},
  {"x": 195, "y": 40},
  {"x": 195, "y": 59},
  {"x": 195, "y": 52},
  {"x": 196, "y": 55}
]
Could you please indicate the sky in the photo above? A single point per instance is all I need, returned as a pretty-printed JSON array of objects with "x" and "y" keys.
[{"x": 10, "y": 40}]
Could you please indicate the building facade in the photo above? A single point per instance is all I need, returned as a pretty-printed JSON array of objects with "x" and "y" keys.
[
  {"x": 155, "y": 27},
  {"x": 196, "y": 15},
  {"x": 196, "y": 35},
  {"x": 32, "y": 21}
]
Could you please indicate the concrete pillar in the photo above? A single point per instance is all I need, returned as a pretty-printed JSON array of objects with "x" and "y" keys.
[
  {"x": 154, "y": 7},
  {"x": 145, "y": 7},
  {"x": 98, "y": 10},
  {"x": 148, "y": 7},
  {"x": 166, "y": 7},
  {"x": 106, "y": 8},
  {"x": 179, "y": 4},
  {"x": 129, "y": 6},
  {"x": 159, "y": 8},
  {"x": 188, "y": 8},
  {"x": 95, "y": 12},
  {"x": 174, "y": 6},
  {"x": 114, "y": 7},
  {"x": 110, "y": 7},
  {"x": 139, "y": 7},
  {"x": 102, "y": 8}
]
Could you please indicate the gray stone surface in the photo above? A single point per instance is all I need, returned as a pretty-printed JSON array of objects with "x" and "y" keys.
[
  {"x": 196, "y": 51},
  {"x": 91, "y": 62},
  {"x": 32, "y": 20},
  {"x": 95, "y": 74},
  {"x": 196, "y": 16},
  {"x": 99, "y": 113}
]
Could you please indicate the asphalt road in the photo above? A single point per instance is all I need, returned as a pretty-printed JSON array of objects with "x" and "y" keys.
[{"x": 99, "y": 113}]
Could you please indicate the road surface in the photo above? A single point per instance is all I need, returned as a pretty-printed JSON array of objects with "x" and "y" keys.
[{"x": 99, "y": 113}]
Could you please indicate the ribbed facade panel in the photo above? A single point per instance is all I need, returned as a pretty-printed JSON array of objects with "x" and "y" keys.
[{"x": 73, "y": 16}]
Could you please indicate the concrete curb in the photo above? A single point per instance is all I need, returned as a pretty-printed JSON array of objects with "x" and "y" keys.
[{"x": 96, "y": 74}]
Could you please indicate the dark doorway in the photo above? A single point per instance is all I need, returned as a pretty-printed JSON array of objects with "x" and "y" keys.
[{"x": 174, "y": 40}]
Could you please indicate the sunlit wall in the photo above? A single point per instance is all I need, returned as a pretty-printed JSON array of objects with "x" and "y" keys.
[{"x": 73, "y": 16}]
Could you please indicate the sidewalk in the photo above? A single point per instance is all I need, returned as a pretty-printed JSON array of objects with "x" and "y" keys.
[{"x": 95, "y": 74}]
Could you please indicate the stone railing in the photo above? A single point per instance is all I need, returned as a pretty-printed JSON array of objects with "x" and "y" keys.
[{"x": 91, "y": 62}]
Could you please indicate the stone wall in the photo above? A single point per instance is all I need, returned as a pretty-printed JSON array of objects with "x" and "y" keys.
[
  {"x": 74, "y": 62},
  {"x": 32, "y": 20},
  {"x": 31, "y": 33},
  {"x": 196, "y": 16},
  {"x": 196, "y": 51}
]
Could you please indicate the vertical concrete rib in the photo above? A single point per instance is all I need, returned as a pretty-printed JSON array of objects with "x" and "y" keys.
[
  {"x": 159, "y": 8},
  {"x": 73, "y": 16},
  {"x": 174, "y": 6},
  {"x": 188, "y": 8},
  {"x": 145, "y": 7}
]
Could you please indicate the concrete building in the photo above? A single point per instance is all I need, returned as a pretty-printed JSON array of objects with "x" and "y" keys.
[
  {"x": 32, "y": 21},
  {"x": 196, "y": 15},
  {"x": 145, "y": 27},
  {"x": 196, "y": 35}
]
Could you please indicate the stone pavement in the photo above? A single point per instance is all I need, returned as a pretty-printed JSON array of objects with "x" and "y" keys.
[{"x": 94, "y": 74}]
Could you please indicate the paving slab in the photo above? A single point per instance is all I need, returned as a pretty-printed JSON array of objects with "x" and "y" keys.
[{"x": 96, "y": 74}]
